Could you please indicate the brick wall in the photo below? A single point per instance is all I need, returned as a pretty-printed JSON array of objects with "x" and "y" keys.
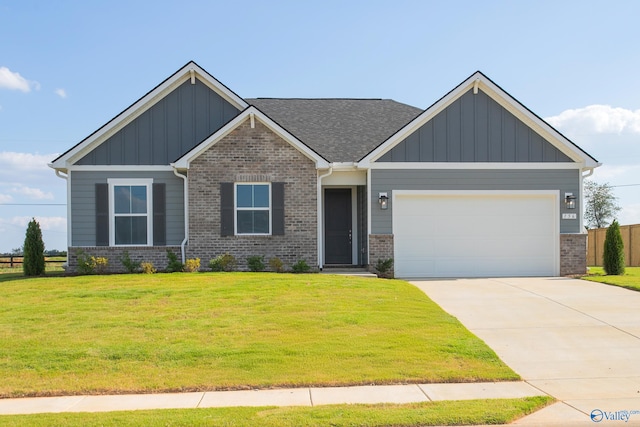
[
  {"x": 155, "y": 254},
  {"x": 380, "y": 247},
  {"x": 573, "y": 254},
  {"x": 253, "y": 155}
]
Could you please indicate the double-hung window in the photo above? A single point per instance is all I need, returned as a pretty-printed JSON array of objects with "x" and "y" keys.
[
  {"x": 253, "y": 208},
  {"x": 130, "y": 212}
]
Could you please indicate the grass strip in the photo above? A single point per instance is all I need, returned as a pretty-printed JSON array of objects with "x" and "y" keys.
[
  {"x": 444, "y": 413},
  {"x": 630, "y": 279}
]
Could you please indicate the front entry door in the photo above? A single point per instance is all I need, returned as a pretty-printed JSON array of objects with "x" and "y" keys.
[{"x": 337, "y": 226}]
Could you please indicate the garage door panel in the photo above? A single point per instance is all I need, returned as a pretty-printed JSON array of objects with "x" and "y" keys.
[{"x": 475, "y": 235}]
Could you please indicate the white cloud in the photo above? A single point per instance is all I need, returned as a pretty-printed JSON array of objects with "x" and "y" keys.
[
  {"x": 32, "y": 193},
  {"x": 57, "y": 223},
  {"x": 25, "y": 161},
  {"x": 6, "y": 198},
  {"x": 14, "y": 81},
  {"x": 598, "y": 119},
  {"x": 61, "y": 93}
]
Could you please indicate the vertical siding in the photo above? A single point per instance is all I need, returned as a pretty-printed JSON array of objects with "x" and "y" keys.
[
  {"x": 173, "y": 126},
  {"x": 474, "y": 128},
  {"x": 83, "y": 215},
  {"x": 551, "y": 179}
]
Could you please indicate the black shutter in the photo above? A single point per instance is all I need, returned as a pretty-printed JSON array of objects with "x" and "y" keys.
[
  {"x": 102, "y": 214},
  {"x": 226, "y": 209},
  {"x": 159, "y": 214},
  {"x": 277, "y": 208}
]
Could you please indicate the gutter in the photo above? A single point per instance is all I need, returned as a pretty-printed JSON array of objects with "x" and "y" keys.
[
  {"x": 320, "y": 222},
  {"x": 186, "y": 214}
]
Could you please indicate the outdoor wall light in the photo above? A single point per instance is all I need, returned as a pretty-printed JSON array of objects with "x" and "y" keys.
[
  {"x": 569, "y": 200},
  {"x": 383, "y": 199}
]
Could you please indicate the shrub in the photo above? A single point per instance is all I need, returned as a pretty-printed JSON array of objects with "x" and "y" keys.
[
  {"x": 192, "y": 265},
  {"x": 129, "y": 265},
  {"x": 174, "y": 263},
  {"x": 613, "y": 257},
  {"x": 33, "y": 261},
  {"x": 276, "y": 265},
  {"x": 383, "y": 268},
  {"x": 300, "y": 267},
  {"x": 88, "y": 264},
  {"x": 147, "y": 267},
  {"x": 256, "y": 263},
  {"x": 224, "y": 262}
]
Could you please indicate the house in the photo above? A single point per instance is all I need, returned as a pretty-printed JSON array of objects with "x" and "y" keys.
[{"x": 475, "y": 185}]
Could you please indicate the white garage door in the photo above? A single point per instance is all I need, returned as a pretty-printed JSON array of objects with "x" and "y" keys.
[{"x": 474, "y": 234}]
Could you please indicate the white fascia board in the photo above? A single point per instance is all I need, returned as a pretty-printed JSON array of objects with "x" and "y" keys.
[
  {"x": 501, "y": 97},
  {"x": 184, "y": 162},
  {"x": 142, "y": 105},
  {"x": 121, "y": 168},
  {"x": 474, "y": 165}
]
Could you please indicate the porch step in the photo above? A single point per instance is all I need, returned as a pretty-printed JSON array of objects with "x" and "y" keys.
[{"x": 343, "y": 270}]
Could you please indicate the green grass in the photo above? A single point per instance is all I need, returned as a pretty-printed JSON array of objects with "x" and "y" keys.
[
  {"x": 630, "y": 279},
  {"x": 470, "y": 412},
  {"x": 206, "y": 331}
]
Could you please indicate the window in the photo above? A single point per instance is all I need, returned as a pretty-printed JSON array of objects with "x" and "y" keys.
[
  {"x": 130, "y": 207},
  {"x": 253, "y": 208}
]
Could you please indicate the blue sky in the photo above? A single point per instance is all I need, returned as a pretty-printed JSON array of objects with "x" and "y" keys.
[{"x": 67, "y": 67}]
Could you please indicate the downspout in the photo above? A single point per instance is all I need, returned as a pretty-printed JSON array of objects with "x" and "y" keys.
[
  {"x": 186, "y": 214},
  {"x": 59, "y": 174},
  {"x": 582, "y": 205},
  {"x": 320, "y": 223}
]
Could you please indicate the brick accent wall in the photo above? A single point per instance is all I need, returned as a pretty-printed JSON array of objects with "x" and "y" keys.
[
  {"x": 155, "y": 254},
  {"x": 380, "y": 247},
  {"x": 253, "y": 155},
  {"x": 573, "y": 254}
]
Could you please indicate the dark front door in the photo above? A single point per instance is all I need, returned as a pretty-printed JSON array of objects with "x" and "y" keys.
[{"x": 337, "y": 226}]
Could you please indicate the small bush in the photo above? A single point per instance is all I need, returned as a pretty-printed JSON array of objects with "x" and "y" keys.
[
  {"x": 384, "y": 265},
  {"x": 88, "y": 264},
  {"x": 130, "y": 265},
  {"x": 174, "y": 263},
  {"x": 225, "y": 262},
  {"x": 33, "y": 261},
  {"x": 613, "y": 256},
  {"x": 256, "y": 263},
  {"x": 276, "y": 265},
  {"x": 147, "y": 267},
  {"x": 192, "y": 265},
  {"x": 300, "y": 267}
]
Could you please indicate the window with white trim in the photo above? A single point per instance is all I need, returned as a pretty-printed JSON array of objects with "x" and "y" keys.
[
  {"x": 253, "y": 208},
  {"x": 130, "y": 212}
]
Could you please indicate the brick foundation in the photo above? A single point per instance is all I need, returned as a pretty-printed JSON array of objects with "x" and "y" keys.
[
  {"x": 380, "y": 247},
  {"x": 573, "y": 254},
  {"x": 155, "y": 254}
]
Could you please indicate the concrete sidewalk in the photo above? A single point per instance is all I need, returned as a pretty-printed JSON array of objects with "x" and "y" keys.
[{"x": 274, "y": 397}]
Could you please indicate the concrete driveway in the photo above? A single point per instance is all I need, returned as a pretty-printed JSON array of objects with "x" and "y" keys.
[{"x": 578, "y": 341}]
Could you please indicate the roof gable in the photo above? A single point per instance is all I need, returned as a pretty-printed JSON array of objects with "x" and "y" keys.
[
  {"x": 524, "y": 137},
  {"x": 117, "y": 133},
  {"x": 251, "y": 113}
]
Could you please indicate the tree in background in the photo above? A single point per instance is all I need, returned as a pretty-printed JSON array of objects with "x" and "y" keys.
[
  {"x": 600, "y": 204},
  {"x": 613, "y": 257},
  {"x": 33, "y": 262}
]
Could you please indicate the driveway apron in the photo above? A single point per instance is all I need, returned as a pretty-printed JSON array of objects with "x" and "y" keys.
[{"x": 575, "y": 340}]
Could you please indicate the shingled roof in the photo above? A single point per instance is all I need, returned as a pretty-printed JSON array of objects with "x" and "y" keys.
[{"x": 340, "y": 130}]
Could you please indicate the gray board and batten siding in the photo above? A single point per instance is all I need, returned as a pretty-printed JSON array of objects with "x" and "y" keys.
[
  {"x": 167, "y": 130},
  {"x": 474, "y": 128},
  {"x": 387, "y": 180},
  {"x": 83, "y": 200}
]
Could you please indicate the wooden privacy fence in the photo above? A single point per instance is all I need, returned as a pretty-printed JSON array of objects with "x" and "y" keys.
[{"x": 630, "y": 238}]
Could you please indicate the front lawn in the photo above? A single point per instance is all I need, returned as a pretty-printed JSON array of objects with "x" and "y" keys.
[
  {"x": 206, "y": 331},
  {"x": 467, "y": 412},
  {"x": 630, "y": 279}
]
